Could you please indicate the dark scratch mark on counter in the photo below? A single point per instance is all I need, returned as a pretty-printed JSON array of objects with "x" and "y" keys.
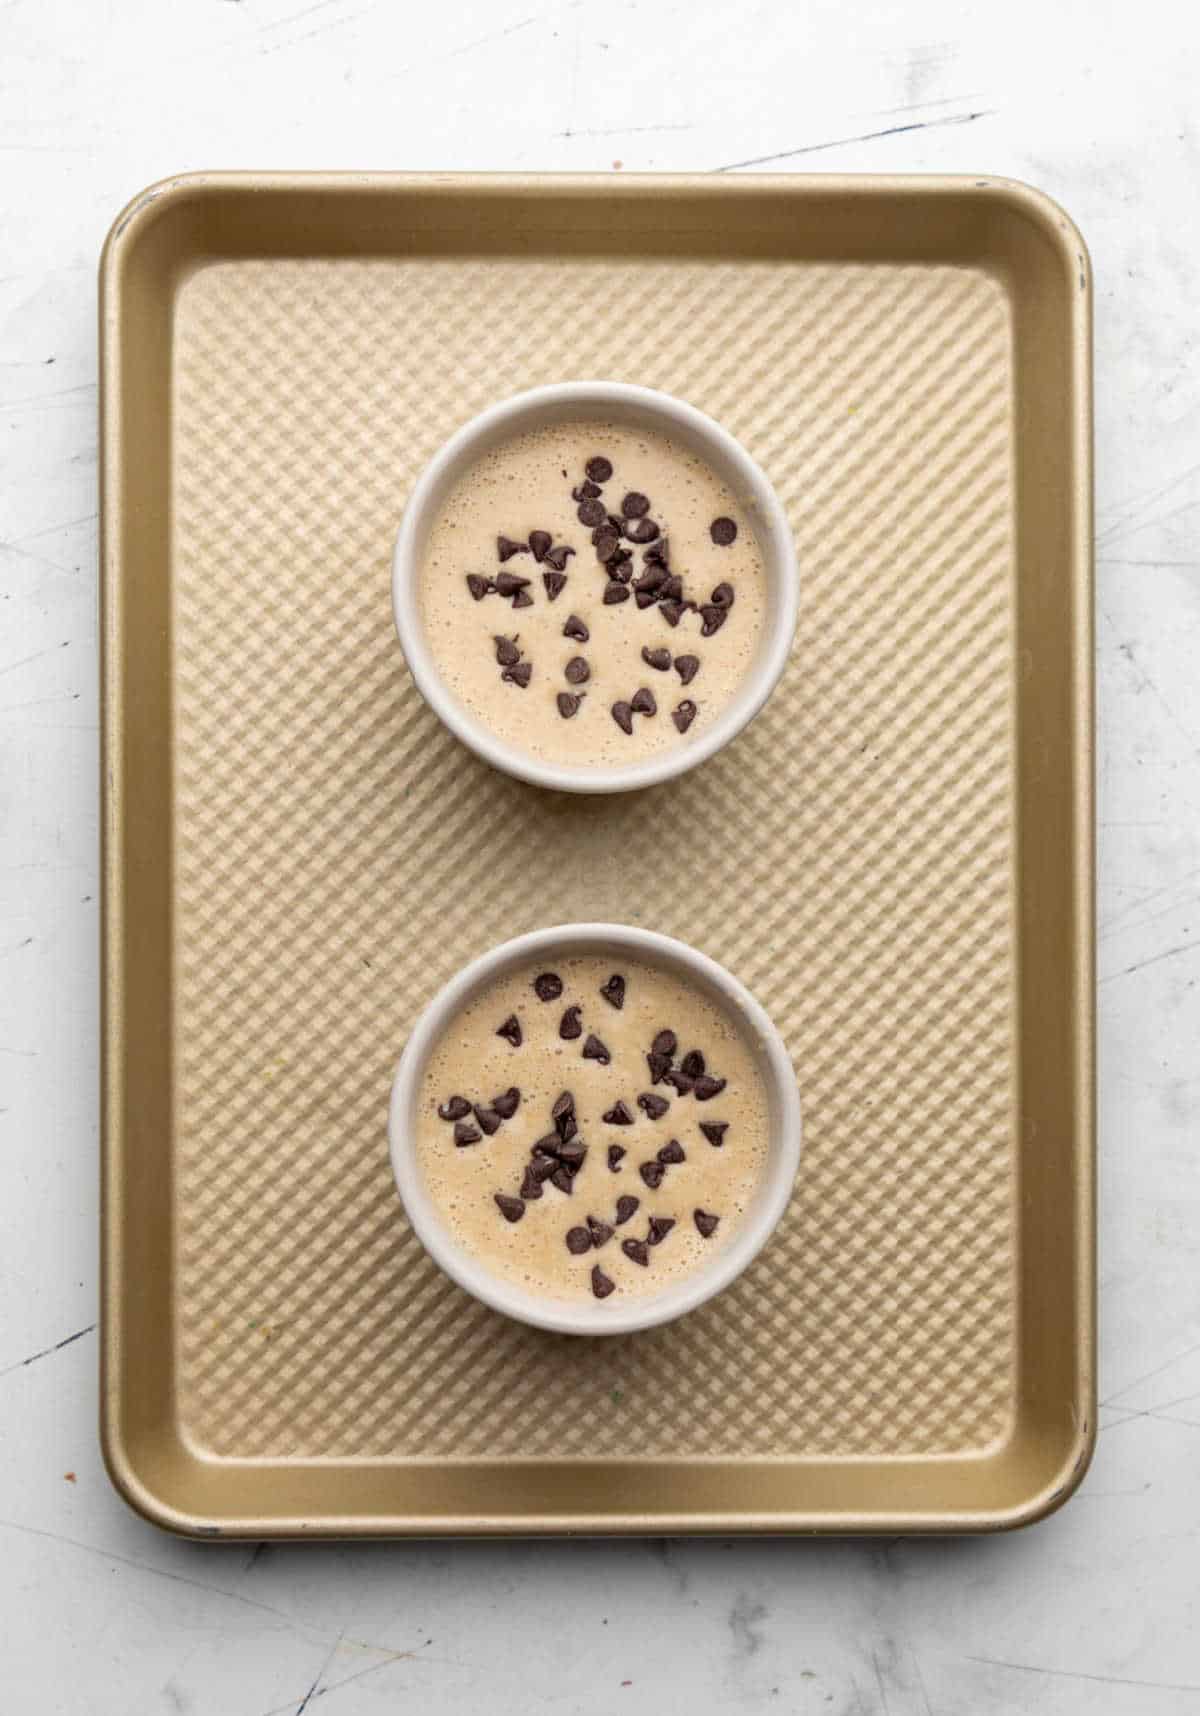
[
  {"x": 46, "y": 1351},
  {"x": 865, "y": 137}
]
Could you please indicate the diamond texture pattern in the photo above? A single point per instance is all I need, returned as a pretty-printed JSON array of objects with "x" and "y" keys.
[{"x": 338, "y": 856}]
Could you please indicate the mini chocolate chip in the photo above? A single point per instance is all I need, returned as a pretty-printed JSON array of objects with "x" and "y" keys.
[
  {"x": 679, "y": 1080},
  {"x": 507, "y": 653},
  {"x": 684, "y": 715},
  {"x": 636, "y": 1250},
  {"x": 714, "y": 1131},
  {"x": 507, "y": 1103},
  {"x": 671, "y": 588},
  {"x": 653, "y": 1106},
  {"x": 506, "y": 548},
  {"x": 606, "y": 543},
  {"x": 576, "y": 629},
  {"x": 465, "y": 1133},
  {"x": 590, "y": 512},
  {"x": 601, "y": 1232},
  {"x": 659, "y": 658},
  {"x": 672, "y": 1152},
  {"x": 488, "y": 1119},
  {"x": 454, "y": 1108},
  {"x": 594, "y": 1050},
  {"x": 619, "y": 1114},
  {"x": 617, "y": 523},
  {"x": 531, "y": 1184},
  {"x": 615, "y": 1153},
  {"x": 652, "y": 1173},
  {"x": 570, "y": 1025},
  {"x": 615, "y": 592},
  {"x": 635, "y": 505},
  {"x": 522, "y": 599},
  {"x": 566, "y": 1126},
  {"x": 520, "y": 675},
  {"x": 687, "y": 667},
  {"x": 672, "y": 612},
  {"x": 692, "y": 1063},
  {"x": 658, "y": 553},
  {"x": 543, "y": 1167},
  {"x": 548, "y": 1146},
  {"x": 579, "y": 1240},
  {"x": 722, "y": 531},
  {"x": 577, "y": 671},
  {"x": 645, "y": 598},
  {"x": 508, "y": 583},
  {"x": 722, "y": 596},
  {"x": 557, "y": 557},
  {"x": 512, "y": 1209},
  {"x": 645, "y": 530},
  {"x": 599, "y": 469},
  {"x": 622, "y": 714},
  {"x": 626, "y": 1207},
  {"x": 511, "y": 1031},
  {"x": 539, "y": 542},
  {"x": 614, "y": 991},
  {"x": 564, "y": 1104},
  {"x": 713, "y": 618},
  {"x": 568, "y": 704},
  {"x": 602, "y": 1285},
  {"x": 620, "y": 570},
  {"x": 643, "y": 702},
  {"x": 563, "y": 1179},
  {"x": 653, "y": 578},
  {"x": 572, "y": 1153},
  {"x": 660, "y": 1066},
  {"x": 660, "y": 1227},
  {"x": 556, "y": 583},
  {"x": 706, "y": 1087},
  {"x": 665, "y": 1043},
  {"x": 586, "y": 490},
  {"x": 706, "y": 1223},
  {"x": 479, "y": 587},
  {"x": 547, "y": 986}
]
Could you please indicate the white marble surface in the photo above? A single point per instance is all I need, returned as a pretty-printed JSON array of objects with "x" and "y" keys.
[{"x": 1095, "y": 1610}]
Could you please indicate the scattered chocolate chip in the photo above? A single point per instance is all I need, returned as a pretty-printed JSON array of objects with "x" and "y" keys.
[
  {"x": 511, "y": 1031},
  {"x": 626, "y": 1207},
  {"x": 660, "y": 1066},
  {"x": 617, "y": 523},
  {"x": 706, "y": 1223},
  {"x": 594, "y": 1050},
  {"x": 507, "y": 1103},
  {"x": 722, "y": 531},
  {"x": 520, "y": 675},
  {"x": 547, "y": 986},
  {"x": 568, "y": 704},
  {"x": 620, "y": 570},
  {"x": 548, "y": 1146},
  {"x": 576, "y": 629},
  {"x": 652, "y": 1173},
  {"x": 563, "y": 1179},
  {"x": 590, "y": 512},
  {"x": 653, "y": 1106},
  {"x": 488, "y": 1119},
  {"x": 659, "y": 658},
  {"x": 572, "y": 1153},
  {"x": 653, "y": 578},
  {"x": 635, "y": 505},
  {"x": 566, "y": 1126},
  {"x": 687, "y": 667},
  {"x": 672, "y": 1152},
  {"x": 619, "y": 1114},
  {"x": 465, "y": 1133},
  {"x": 507, "y": 653},
  {"x": 643, "y": 702},
  {"x": 660, "y": 1227},
  {"x": 601, "y": 1232},
  {"x": 506, "y": 548},
  {"x": 672, "y": 612},
  {"x": 722, "y": 596},
  {"x": 478, "y": 586},
  {"x": 543, "y": 1167},
  {"x": 658, "y": 553},
  {"x": 684, "y": 715},
  {"x": 512, "y": 1209},
  {"x": 645, "y": 530},
  {"x": 622, "y": 713},
  {"x": 645, "y": 598},
  {"x": 615, "y": 592},
  {"x": 665, "y": 1043},
  {"x": 672, "y": 588},
  {"x": 579, "y": 1240},
  {"x": 714, "y": 1131},
  {"x": 636, "y": 1250},
  {"x": 692, "y": 1063},
  {"x": 602, "y": 1286},
  {"x": 557, "y": 557},
  {"x": 606, "y": 543},
  {"x": 679, "y": 1080},
  {"x": 531, "y": 1184},
  {"x": 522, "y": 599},
  {"x": 614, "y": 991},
  {"x": 539, "y": 542},
  {"x": 454, "y": 1108},
  {"x": 713, "y": 619},
  {"x": 615, "y": 1154},
  {"x": 586, "y": 490},
  {"x": 577, "y": 671},
  {"x": 508, "y": 583},
  {"x": 556, "y": 583},
  {"x": 564, "y": 1104},
  {"x": 706, "y": 1087},
  {"x": 570, "y": 1025},
  {"x": 599, "y": 469}
]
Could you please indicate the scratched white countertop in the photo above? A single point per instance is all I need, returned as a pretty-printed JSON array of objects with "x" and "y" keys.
[{"x": 1094, "y": 1610}]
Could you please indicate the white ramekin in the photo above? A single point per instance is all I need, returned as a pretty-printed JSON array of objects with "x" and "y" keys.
[
  {"x": 609, "y": 1317},
  {"x": 614, "y": 402}
]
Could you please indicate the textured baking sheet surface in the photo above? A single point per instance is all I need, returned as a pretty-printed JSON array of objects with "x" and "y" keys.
[{"x": 337, "y": 856}]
